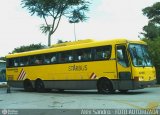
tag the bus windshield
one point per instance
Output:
(139, 55)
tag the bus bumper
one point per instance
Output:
(143, 84)
(131, 84)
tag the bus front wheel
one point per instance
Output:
(39, 85)
(104, 86)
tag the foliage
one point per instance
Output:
(154, 51)
(53, 10)
(78, 14)
(152, 30)
(153, 13)
(28, 48)
(152, 34)
(61, 41)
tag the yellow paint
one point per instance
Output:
(151, 107)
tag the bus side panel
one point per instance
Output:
(72, 71)
(71, 75)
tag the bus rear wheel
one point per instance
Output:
(104, 86)
(39, 85)
(28, 85)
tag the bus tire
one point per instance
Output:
(39, 86)
(104, 86)
(27, 84)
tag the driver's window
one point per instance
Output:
(122, 57)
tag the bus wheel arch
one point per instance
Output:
(27, 84)
(39, 85)
(105, 85)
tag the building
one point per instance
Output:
(2, 71)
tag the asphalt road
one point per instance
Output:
(148, 98)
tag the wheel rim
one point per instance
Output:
(104, 86)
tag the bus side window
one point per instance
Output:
(38, 59)
(100, 53)
(47, 59)
(16, 62)
(24, 61)
(66, 56)
(53, 59)
(78, 55)
(69, 56)
(62, 57)
(122, 57)
(103, 52)
(87, 55)
(10, 63)
(82, 55)
(32, 60)
(79, 58)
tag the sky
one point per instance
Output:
(108, 19)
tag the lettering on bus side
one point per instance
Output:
(141, 72)
(77, 68)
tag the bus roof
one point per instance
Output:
(73, 45)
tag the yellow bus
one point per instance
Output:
(107, 66)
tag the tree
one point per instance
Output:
(153, 13)
(53, 10)
(154, 51)
(28, 48)
(152, 30)
(152, 34)
(78, 16)
(61, 41)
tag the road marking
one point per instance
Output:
(151, 106)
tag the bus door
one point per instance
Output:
(123, 67)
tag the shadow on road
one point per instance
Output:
(86, 92)
(95, 92)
